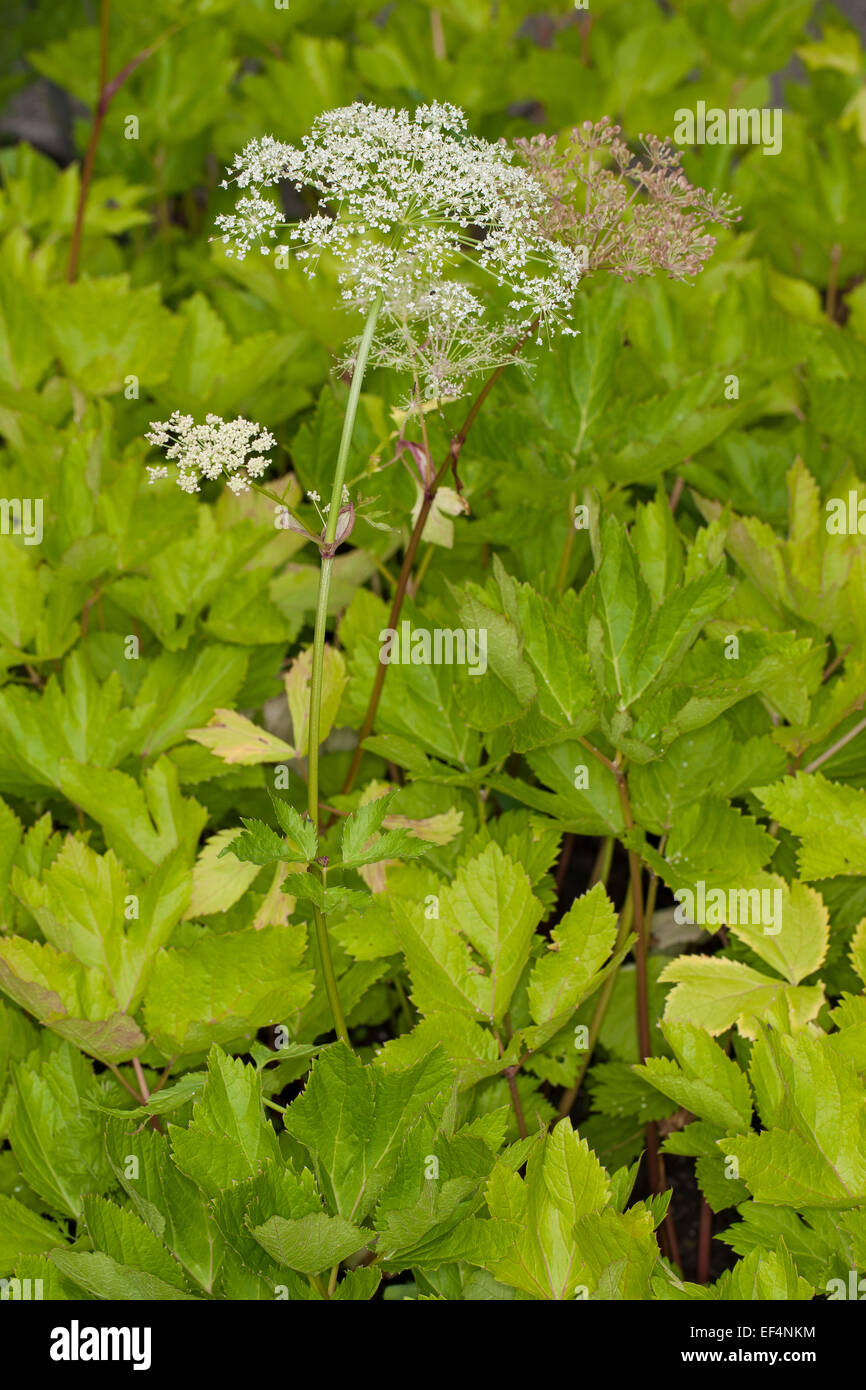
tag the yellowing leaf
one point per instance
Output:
(435, 830)
(799, 945)
(439, 528)
(716, 993)
(236, 739)
(297, 683)
(218, 883)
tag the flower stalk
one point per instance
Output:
(318, 665)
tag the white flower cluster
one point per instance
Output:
(404, 202)
(234, 448)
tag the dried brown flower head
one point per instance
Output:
(632, 214)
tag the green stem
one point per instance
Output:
(565, 561)
(601, 869)
(318, 667)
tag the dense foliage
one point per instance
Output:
(656, 526)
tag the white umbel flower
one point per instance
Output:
(233, 449)
(406, 203)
